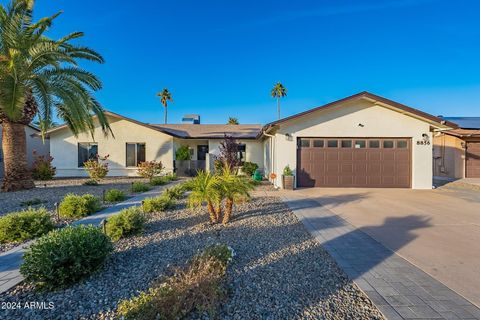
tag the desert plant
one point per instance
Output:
(24, 225)
(97, 169)
(149, 169)
(287, 171)
(204, 190)
(157, 204)
(90, 182)
(233, 188)
(128, 222)
(183, 153)
(172, 176)
(42, 167)
(175, 192)
(249, 168)
(65, 256)
(114, 195)
(139, 187)
(199, 287)
(78, 206)
(159, 181)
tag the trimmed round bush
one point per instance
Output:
(65, 256)
(128, 222)
(78, 206)
(114, 195)
(157, 204)
(140, 187)
(25, 225)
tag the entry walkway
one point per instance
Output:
(399, 289)
(11, 260)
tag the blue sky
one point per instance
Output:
(221, 58)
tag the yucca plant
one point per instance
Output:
(38, 76)
(233, 188)
(205, 189)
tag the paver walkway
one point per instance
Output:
(399, 289)
(11, 260)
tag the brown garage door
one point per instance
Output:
(472, 160)
(355, 162)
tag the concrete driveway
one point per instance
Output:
(436, 230)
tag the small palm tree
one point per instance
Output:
(233, 188)
(44, 125)
(40, 76)
(165, 97)
(205, 189)
(278, 91)
(232, 120)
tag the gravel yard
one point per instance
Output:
(279, 271)
(53, 191)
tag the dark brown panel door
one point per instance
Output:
(472, 160)
(354, 162)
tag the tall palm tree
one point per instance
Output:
(232, 120)
(278, 91)
(40, 76)
(204, 190)
(165, 96)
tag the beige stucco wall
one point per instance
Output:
(448, 156)
(343, 121)
(64, 148)
(34, 143)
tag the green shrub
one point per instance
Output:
(97, 169)
(139, 187)
(175, 192)
(287, 171)
(76, 206)
(171, 176)
(159, 181)
(249, 168)
(198, 288)
(114, 195)
(42, 167)
(128, 222)
(149, 169)
(65, 256)
(183, 153)
(25, 225)
(157, 204)
(221, 252)
(90, 182)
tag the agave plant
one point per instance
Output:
(40, 76)
(205, 189)
(233, 188)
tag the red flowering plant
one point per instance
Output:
(42, 167)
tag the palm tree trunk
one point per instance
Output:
(211, 212)
(228, 211)
(17, 176)
(218, 211)
(166, 114)
(278, 107)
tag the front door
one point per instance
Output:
(202, 151)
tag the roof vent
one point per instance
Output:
(191, 118)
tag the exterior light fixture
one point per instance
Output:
(288, 136)
(361, 125)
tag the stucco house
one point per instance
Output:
(363, 140)
(34, 143)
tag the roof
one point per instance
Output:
(370, 96)
(211, 131)
(465, 122)
(464, 133)
(191, 131)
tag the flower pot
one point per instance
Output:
(288, 182)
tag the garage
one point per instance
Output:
(354, 162)
(472, 160)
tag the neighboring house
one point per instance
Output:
(457, 151)
(361, 141)
(34, 143)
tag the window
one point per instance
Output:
(360, 144)
(402, 144)
(242, 149)
(388, 144)
(87, 151)
(374, 144)
(346, 143)
(305, 143)
(135, 154)
(318, 143)
(332, 143)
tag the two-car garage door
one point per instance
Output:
(354, 162)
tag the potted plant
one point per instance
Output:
(288, 179)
